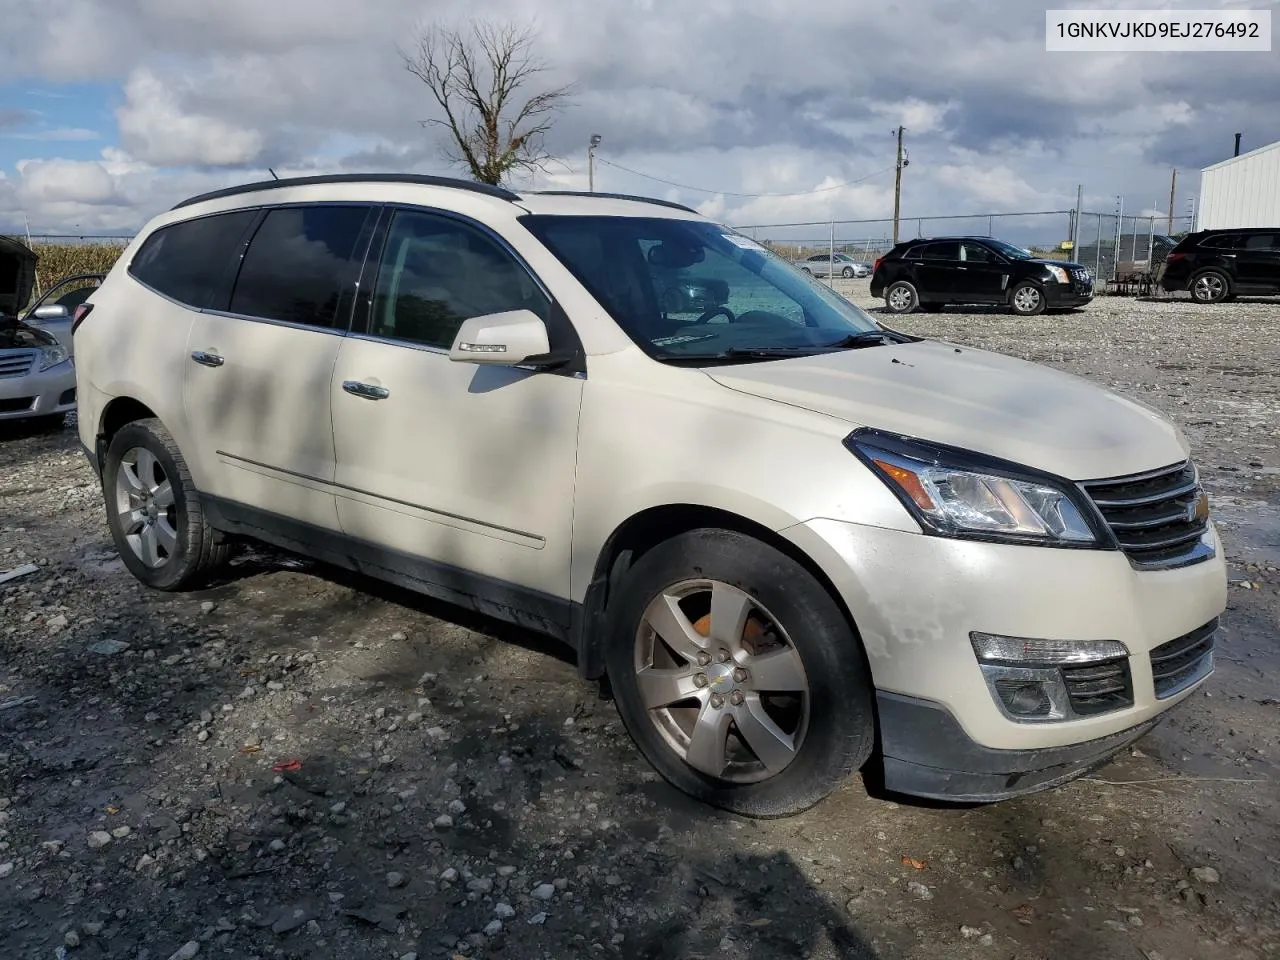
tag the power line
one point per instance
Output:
(753, 196)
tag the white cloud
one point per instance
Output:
(155, 128)
(67, 181)
(55, 134)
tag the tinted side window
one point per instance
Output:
(299, 264)
(1262, 241)
(437, 272)
(186, 260)
(941, 251)
(1223, 241)
(976, 253)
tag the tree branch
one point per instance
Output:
(475, 78)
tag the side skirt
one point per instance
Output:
(531, 609)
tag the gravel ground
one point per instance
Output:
(294, 763)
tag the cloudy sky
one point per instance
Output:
(112, 110)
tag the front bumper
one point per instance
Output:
(916, 598)
(1067, 295)
(927, 754)
(39, 394)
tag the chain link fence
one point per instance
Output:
(1111, 246)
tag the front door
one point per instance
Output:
(256, 389)
(982, 276)
(470, 467)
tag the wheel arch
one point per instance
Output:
(118, 412)
(1220, 269)
(644, 530)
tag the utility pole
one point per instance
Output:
(1075, 222)
(1237, 153)
(1173, 187)
(897, 185)
(591, 162)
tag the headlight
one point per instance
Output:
(959, 494)
(1059, 274)
(51, 356)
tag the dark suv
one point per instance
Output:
(1218, 265)
(930, 273)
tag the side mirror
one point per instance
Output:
(52, 311)
(510, 338)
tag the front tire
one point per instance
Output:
(737, 675)
(901, 297)
(1027, 300)
(154, 511)
(1210, 286)
(847, 273)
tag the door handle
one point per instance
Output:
(366, 390)
(207, 359)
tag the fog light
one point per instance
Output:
(1024, 699)
(1027, 677)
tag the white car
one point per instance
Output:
(782, 530)
(819, 265)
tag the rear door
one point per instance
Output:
(936, 270)
(259, 363)
(1258, 261)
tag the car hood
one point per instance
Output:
(16, 335)
(1065, 264)
(981, 401)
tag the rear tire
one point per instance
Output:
(901, 297)
(785, 633)
(154, 510)
(1210, 286)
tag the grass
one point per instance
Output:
(59, 260)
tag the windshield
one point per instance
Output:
(686, 289)
(1009, 250)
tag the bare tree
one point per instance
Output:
(478, 77)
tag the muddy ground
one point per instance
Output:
(295, 763)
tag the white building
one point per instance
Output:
(1241, 192)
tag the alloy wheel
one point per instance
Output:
(1208, 288)
(1026, 300)
(721, 681)
(899, 298)
(145, 507)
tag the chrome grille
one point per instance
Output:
(1095, 688)
(16, 363)
(1182, 661)
(1158, 518)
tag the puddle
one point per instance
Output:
(1249, 528)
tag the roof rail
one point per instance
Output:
(613, 196)
(412, 178)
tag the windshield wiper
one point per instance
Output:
(867, 338)
(746, 353)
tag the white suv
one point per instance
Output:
(785, 533)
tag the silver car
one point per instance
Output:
(37, 372)
(37, 376)
(819, 265)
